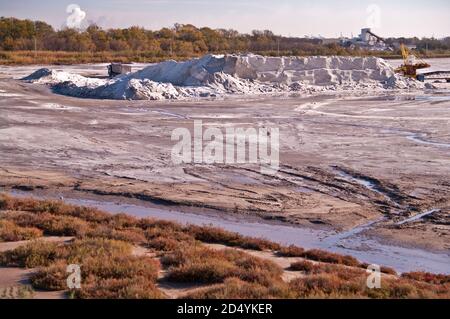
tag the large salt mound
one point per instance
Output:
(214, 75)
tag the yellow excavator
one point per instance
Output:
(410, 63)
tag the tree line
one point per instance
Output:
(182, 40)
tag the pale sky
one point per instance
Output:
(286, 17)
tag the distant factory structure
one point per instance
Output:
(367, 40)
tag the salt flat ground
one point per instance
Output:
(345, 160)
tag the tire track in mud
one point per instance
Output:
(328, 184)
(351, 186)
(389, 191)
(253, 197)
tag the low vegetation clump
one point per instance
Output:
(130, 235)
(40, 253)
(387, 270)
(61, 225)
(163, 244)
(106, 265)
(303, 265)
(437, 279)
(88, 214)
(31, 255)
(52, 277)
(318, 255)
(165, 236)
(123, 288)
(58, 219)
(234, 288)
(291, 251)
(383, 269)
(343, 272)
(328, 257)
(220, 236)
(324, 286)
(336, 281)
(201, 264)
(50, 224)
(12, 232)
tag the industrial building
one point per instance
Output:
(367, 40)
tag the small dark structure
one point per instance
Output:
(435, 75)
(115, 69)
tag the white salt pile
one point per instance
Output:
(216, 75)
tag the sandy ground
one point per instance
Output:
(345, 160)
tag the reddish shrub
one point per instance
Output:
(332, 258)
(437, 279)
(305, 266)
(9, 231)
(123, 288)
(234, 288)
(291, 251)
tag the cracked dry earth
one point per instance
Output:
(344, 160)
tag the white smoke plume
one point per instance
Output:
(76, 16)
